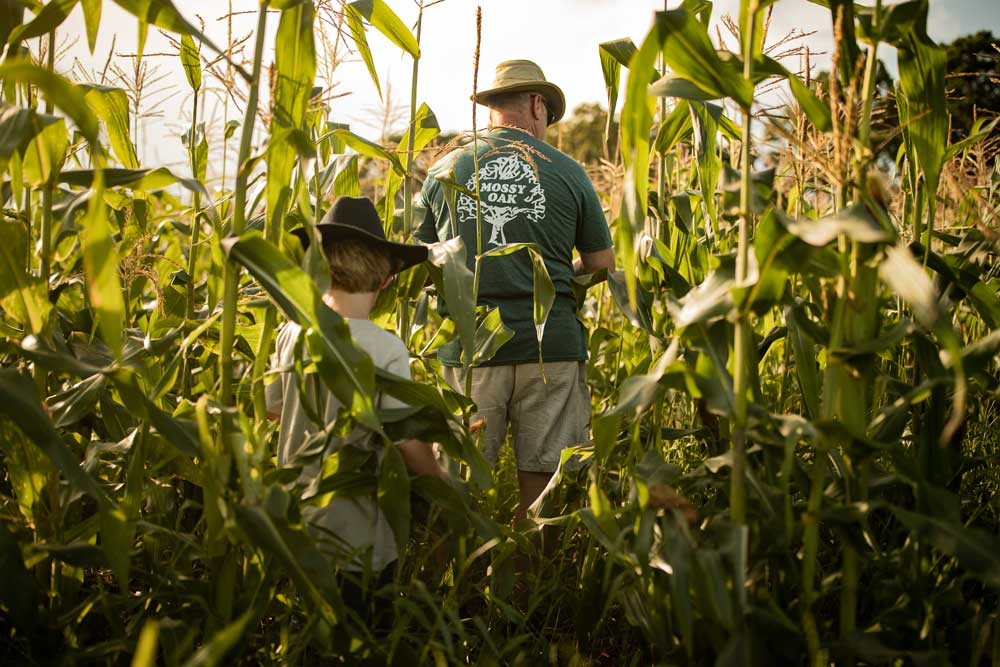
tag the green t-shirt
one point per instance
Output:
(529, 193)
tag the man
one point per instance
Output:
(529, 192)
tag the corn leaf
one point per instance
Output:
(52, 15)
(100, 262)
(23, 297)
(543, 291)
(369, 148)
(361, 41)
(690, 54)
(394, 494)
(92, 20)
(111, 106)
(451, 274)
(490, 337)
(56, 89)
(191, 61)
(379, 14)
(20, 403)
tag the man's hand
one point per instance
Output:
(589, 262)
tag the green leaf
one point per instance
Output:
(543, 291)
(816, 110)
(855, 222)
(145, 648)
(164, 15)
(23, 297)
(611, 68)
(675, 86)
(490, 337)
(980, 132)
(922, 69)
(690, 54)
(975, 550)
(674, 129)
(842, 13)
(454, 280)
(52, 15)
(18, 126)
(295, 65)
(214, 651)
(100, 263)
(20, 403)
(117, 535)
(11, 16)
(705, 133)
(386, 22)
(191, 61)
(707, 301)
(92, 20)
(909, 280)
(18, 590)
(361, 41)
(804, 353)
(44, 154)
(111, 106)
(965, 276)
(427, 128)
(56, 89)
(394, 494)
(146, 180)
(636, 121)
(369, 148)
(345, 368)
(270, 530)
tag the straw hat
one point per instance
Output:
(356, 217)
(524, 76)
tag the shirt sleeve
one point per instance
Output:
(426, 231)
(592, 231)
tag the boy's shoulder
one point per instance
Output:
(382, 345)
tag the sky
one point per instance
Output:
(562, 36)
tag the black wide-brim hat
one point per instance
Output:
(356, 218)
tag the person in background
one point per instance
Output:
(352, 532)
(529, 192)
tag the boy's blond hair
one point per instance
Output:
(357, 266)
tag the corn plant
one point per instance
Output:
(794, 375)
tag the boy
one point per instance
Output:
(351, 531)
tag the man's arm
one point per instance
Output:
(419, 459)
(589, 262)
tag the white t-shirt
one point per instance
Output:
(348, 530)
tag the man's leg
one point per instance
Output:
(531, 485)
(491, 389)
(547, 415)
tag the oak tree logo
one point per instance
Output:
(508, 190)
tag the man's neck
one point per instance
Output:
(518, 122)
(354, 306)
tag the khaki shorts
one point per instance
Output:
(544, 416)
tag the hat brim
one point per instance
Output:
(404, 255)
(553, 95)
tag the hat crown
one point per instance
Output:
(524, 76)
(517, 71)
(357, 212)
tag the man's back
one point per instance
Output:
(529, 193)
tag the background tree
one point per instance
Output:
(973, 80)
(581, 135)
